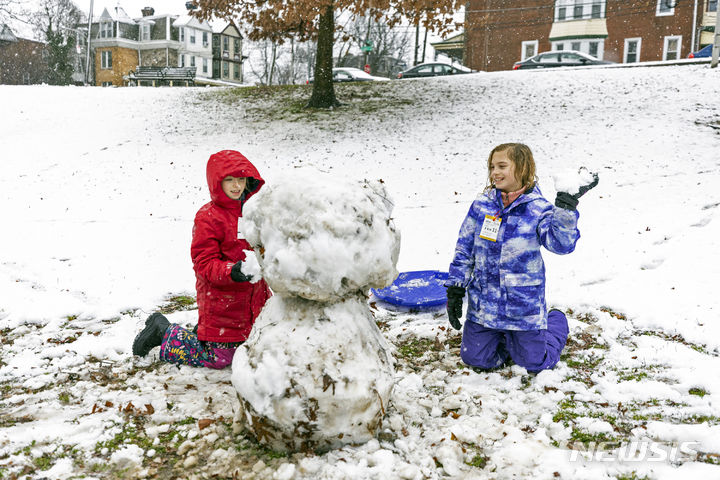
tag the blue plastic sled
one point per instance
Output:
(420, 289)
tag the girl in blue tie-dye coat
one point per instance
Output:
(498, 261)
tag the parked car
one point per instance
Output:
(706, 51)
(431, 70)
(559, 58)
(351, 74)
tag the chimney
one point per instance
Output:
(190, 6)
(148, 11)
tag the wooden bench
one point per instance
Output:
(163, 75)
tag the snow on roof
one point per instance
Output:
(117, 14)
(190, 21)
(6, 34)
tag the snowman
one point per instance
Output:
(316, 373)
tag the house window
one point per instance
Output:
(712, 5)
(596, 10)
(226, 44)
(107, 84)
(665, 7)
(578, 9)
(226, 69)
(632, 50)
(205, 65)
(182, 34)
(236, 45)
(192, 60)
(529, 49)
(192, 36)
(671, 48)
(205, 39)
(145, 32)
(236, 71)
(105, 29)
(182, 60)
(593, 48)
(106, 59)
(562, 13)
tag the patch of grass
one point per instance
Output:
(700, 392)
(632, 476)
(178, 303)
(601, 438)
(588, 363)
(64, 398)
(289, 102)
(710, 419)
(44, 462)
(414, 348)
(186, 421)
(633, 374)
(613, 313)
(478, 461)
(711, 458)
(673, 338)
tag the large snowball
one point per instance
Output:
(321, 238)
(314, 376)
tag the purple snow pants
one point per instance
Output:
(182, 347)
(534, 350)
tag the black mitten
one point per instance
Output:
(237, 275)
(455, 297)
(570, 202)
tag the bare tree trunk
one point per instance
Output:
(292, 60)
(323, 94)
(272, 62)
(417, 41)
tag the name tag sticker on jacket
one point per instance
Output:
(490, 228)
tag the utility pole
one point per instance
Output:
(367, 39)
(424, 47)
(87, 45)
(716, 40)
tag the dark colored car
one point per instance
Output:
(431, 70)
(560, 58)
(706, 51)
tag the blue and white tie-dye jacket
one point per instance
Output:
(505, 280)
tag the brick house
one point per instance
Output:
(22, 61)
(499, 33)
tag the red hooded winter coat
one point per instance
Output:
(227, 309)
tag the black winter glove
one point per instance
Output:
(570, 202)
(455, 297)
(237, 275)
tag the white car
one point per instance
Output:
(351, 74)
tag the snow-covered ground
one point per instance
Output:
(99, 188)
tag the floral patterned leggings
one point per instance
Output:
(182, 347)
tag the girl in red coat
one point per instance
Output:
(228, 302)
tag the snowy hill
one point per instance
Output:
(99, 188)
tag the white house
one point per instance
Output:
(195, 38)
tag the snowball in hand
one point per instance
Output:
(322, 238)
(570, 181)
(251, 267)
(313, 375)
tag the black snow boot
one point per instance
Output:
(152, 334)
